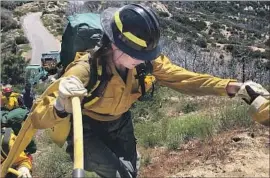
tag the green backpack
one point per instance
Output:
(83, 32)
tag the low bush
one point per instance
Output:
(201, 42)
(21, 40)
(7, 22)
(13, 68)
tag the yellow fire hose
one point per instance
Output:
(78, 168)
(13, 171)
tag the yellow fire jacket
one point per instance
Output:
(259, 110)
(21, 160)
(11, 102)
(119, 95)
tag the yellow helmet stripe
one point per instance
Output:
(128, 35)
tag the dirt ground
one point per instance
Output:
(237, 153)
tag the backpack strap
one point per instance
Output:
(5, 141)
(99, 79)
(143, 70)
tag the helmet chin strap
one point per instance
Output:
(115, 60)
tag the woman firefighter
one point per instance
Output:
(131, 37)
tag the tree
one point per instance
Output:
(13, 67)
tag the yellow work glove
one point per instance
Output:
(257, 88)
(69, 87)
(24, 172)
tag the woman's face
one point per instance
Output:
(123, 59)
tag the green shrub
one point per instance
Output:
(189, 107)
(13, 67)
(7, 22)
(223, 41)
(189, 127)
(21, 40)
(18, 88)
(199, 25)
(229, 48)
(41, 87)
(233, 117)
(11, 5)
(163, 14)
(146, 160)
(172, 131)
(215, 25)
(52, 161)
(202, 43)
(148, 133)
(58, 20)
(267, 42)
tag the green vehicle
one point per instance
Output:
(35, 73)
(50, 60)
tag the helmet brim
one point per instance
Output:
(106, 19)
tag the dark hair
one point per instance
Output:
(104, 52)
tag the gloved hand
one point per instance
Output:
(252, 94)
(69, 87)
(249, 97)
(24, 172)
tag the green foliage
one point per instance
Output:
(267, 42)
(189, 107)
(201, 42)
(52, 160)
(146, 160)
(149, 133)
(233, 117)
(41, 87)
(223, 41)
(163, 14)
(11, 5)
(229, 48)
(197, 24)
(172, 131)
(18, 88)
(13, 67)
(7, 22)
(189, 127)
(21, 40)
(215, 25)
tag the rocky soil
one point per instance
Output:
(237, 153)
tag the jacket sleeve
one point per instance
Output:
(187, 82)
(43, 114)
(259, 110)
(22, 159)
(12, 103)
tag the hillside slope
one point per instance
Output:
(237, 153)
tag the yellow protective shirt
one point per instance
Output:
(11, 102)
(22, 159)
(259, 110)
(119, 95)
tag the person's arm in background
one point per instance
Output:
(12, 102)
(192, 83)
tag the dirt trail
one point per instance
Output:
(40, 38)
(239, 153)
